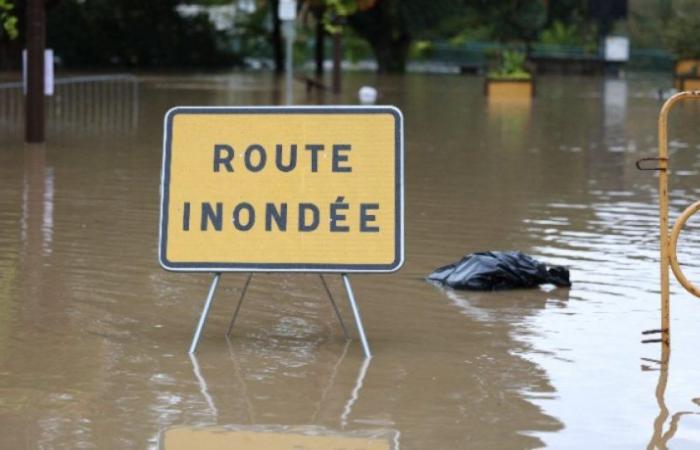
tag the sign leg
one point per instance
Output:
(205, 313)
(240, 302)
(358, 318)
(335, 307)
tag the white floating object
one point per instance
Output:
(367, 95)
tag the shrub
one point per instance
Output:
(511, 67)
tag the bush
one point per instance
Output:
(683, 32)
(511, 67)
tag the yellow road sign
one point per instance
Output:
(282, 189)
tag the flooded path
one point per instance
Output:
(93, 334)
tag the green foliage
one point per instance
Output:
(477, 33)
(647, 23)
(511, 67)
(574, 34)
(335, 13)
(515, 20)
(355, 48)
(389, 26)
(421, 49)
(8, 19)
(561, 34)
(134, 33)
(251, 33)
(683, 30)
(458, 23)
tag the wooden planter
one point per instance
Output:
(687, 74)
(497, 89)
(687, 67)
(687, 83)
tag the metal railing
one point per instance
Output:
(476, 54)
(95, 103)
(669, 241)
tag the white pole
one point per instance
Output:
(288, 30)
(287, 12)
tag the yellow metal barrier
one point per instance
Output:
(669, 242)
(673, 255)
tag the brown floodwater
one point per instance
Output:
(93, 333)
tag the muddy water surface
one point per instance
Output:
(93, 334)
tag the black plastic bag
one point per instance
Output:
(492, 271)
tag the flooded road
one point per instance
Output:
(93, 333)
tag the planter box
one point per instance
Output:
(687, 83)
(687, 67)
(509, 89)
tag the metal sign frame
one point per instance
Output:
(343, 269)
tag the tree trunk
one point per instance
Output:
(384, 27)
(391, 54)
(337, 62)
(277, 46)
(34, 100)
(319, 53)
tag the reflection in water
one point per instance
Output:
(660, 439)
(331, 381)
(327, 386)
(203, 385)
(355, 392)
(277, 436)
(37, 201)
(505, 305)
(37, 217)
(510, 119)
(273, 438)
(614, 104)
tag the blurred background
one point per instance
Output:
(387, 35)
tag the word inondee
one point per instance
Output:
(303, 217)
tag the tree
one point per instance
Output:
(390, 25)
(680, 34)
(268, 9)
(317, 10)
(134, 33)
(515, 20)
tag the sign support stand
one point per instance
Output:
(356, 314)
(205, 313)
(240, 302)
(348, 288)
(335, 307)
(341, 210)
